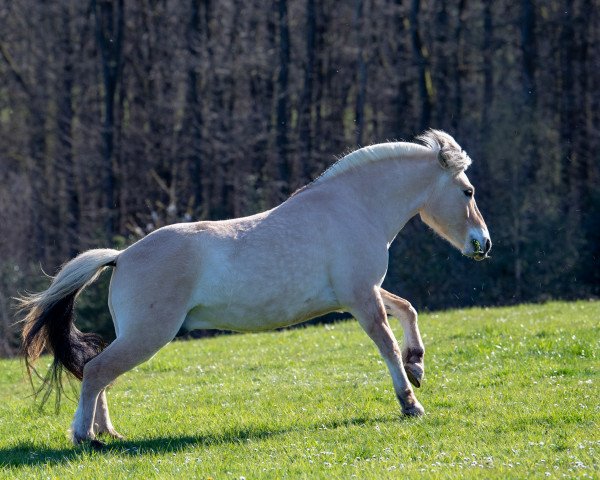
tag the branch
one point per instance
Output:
(13, 69)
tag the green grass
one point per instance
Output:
(509, 393)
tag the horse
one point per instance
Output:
(324, 249)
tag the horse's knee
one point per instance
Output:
(401, 307)
(409, 311)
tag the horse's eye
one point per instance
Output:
(468, 192)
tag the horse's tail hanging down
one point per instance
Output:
(50, 316)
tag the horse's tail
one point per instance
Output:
(49, 321)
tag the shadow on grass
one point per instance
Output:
(28, 453)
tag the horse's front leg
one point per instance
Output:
(413, 351)
(371, 315)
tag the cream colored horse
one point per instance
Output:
(324, 249)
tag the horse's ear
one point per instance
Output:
(443, 158)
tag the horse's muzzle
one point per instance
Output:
(479, 253)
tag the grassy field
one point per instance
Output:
(509, 393)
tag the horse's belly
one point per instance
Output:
(259, 313)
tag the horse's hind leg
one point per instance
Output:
(102, 422)
(371, 315)
(413, 351)
(123, 354)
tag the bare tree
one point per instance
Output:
(118, 118)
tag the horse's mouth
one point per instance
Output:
(477, 256)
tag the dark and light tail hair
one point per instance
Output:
(49, 322)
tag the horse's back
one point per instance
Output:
(263, 271)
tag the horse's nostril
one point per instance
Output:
(488, 245)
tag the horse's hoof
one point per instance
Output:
(415, 410)
(78, 439)
(93, 443)
(87, 440)
(415, 373)
(97, 444)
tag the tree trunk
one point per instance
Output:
(37, 152)
(442, 90)
(320, 78)
(401, 99)
(110, 22)
(420, 60)
(529, 53)
(306, 105)
(194, 118)
(282, 99)
(361, 73)
(458, 68)
(568, 117)
(488, 69)
(65, 136)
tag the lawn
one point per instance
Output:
(509, 393)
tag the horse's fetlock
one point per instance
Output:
(409, 403)
(79, 438)
(406, 398)
(414, 355)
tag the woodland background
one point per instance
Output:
(119, 117)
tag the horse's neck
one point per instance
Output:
(392, 191)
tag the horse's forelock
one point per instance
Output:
(450, 154)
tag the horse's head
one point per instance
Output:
(451, 210)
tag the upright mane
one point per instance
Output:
(370, 154)
(450, 155)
